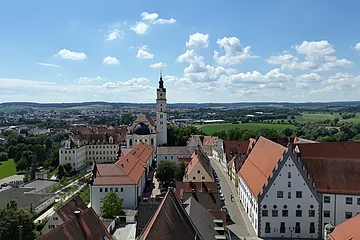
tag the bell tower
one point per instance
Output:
(161, 113)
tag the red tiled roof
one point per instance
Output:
(182, 187)
(303, 140)
(209, 141)
(110, 174)
(85, 227)
(234, 147)
(67, 211)
(259, 164)
(184, 160)
(348, 150)
(170, 221)
(142, 151)
(347, 230)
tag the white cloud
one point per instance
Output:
(114, 34)
(86, 80)
(49, 65)
(255, 77)
(190, 57)
(302, 85)
(158, 65)
(234, 52)
(357, 46)
(340, 83)
(111, 60)
(149, 19)
(312, 77)
(59, 74)
(140, 28)
(67, 54)
(316, 58)
(198, 40)
(142, 53)
(134, 84)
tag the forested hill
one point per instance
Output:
(22, 105)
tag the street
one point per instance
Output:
(239, 225)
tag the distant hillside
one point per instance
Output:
(97, 105)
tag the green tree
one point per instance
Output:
(127, 119)
(180, 171)
(11, 217)
(3, 156)
(22, 164)
(67, 169)
(61, 172)
(112, 205)
(287, 132)
(166, 172)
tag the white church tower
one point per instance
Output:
(161, 113)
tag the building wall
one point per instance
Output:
(274, 201)
(53, 221)
(45, 204)
(127, 192)
(102, 153)
(171, 157)
(249, 202)
(133, 139)
(207, 150)
(197, 174)
(338, 207)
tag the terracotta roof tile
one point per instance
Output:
(170, 221)
(259, 164)
(234, 147)
(87, 227)
(349, 150)
(110, 174)
(209, 141)
(182, 187)
(199, 157)
(347, 230)
(67, 211)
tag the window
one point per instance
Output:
(280, 194)
(289, 174)
(203, 178)
(326, 199)
(311, 213)
(55, 218)
(289, 194)
(121, 189)
(289, 184)
(100, 189)
(348, 215)
(65, 158)
(297, 228)
(274, 213)
(116, 189)
(285, 213)
(282, 227)
(298, 213)
(358, 201)
(264, 213)
(298, 194)
(69, 157)
(171, 157)
(106, 189)
(194, 178)
(312, 227)
(326, 213)
(165, 157)
(198, 171)
(348, 200)
(111, 189)
(267, 227)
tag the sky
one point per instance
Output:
(208, 51)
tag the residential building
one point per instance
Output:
(84, 225)
(172, 154)
(39, 185)
(233, 148)
(346, 230)
(277, 193)
(199, 168)
(147, 208)
(27, 198)
(63, 214)
(127, 177)
(234, 167)
(205, 142)
(218, 149)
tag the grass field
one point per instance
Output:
(7, 168)
(321, 117)
(211, 128)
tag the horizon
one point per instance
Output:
(244, 51)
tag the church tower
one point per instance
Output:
(161, 113)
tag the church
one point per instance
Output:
(145, 129)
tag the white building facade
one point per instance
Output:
(172, 154)
(161, 113)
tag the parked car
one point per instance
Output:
(226, 212)
(4, 184)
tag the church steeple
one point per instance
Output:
(161, 82)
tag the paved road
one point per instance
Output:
(239, 225)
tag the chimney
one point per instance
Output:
(196, 152)
(77, 214)
(122, 165)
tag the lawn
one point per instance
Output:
(211, 128)
(7, 168)
(321, 117)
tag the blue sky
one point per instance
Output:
(209, 51)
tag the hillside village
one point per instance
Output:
(260, 188)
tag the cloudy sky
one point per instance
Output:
(209, 51)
